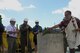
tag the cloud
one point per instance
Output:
(73, 6)
(11, 5)
(31, 6)
(57, 11)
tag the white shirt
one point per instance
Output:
(11, 28)
(72, 40)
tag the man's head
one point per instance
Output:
(67, 13)
(37, 22)
(25, 21)
(12, 21)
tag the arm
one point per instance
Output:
(11, 32)
(55, 26)
(63, 23)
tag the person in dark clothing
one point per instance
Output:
(24, 37)
(36, 29)
(1, 31)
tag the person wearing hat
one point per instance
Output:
(11, 35)
(36, 29)
(24, 37)
(1, 32)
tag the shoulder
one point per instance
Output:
(34, 27)
(29, 26)
(8, 26)
(1, 25)
(21, 25)
(77, 19)
(40, 26)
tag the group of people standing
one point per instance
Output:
(24, 31)
(70, 25)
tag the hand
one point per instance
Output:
(35, 32)
(75, 30)
(49, 28)
(17, 31)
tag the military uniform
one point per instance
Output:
(24, 38)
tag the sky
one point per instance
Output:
(47, 12)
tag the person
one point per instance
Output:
(1, 32)
(36, 29)
(11, 36)
(24, 37)
(71, 26)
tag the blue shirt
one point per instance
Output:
(37, 28)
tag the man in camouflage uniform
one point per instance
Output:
(25, 41)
